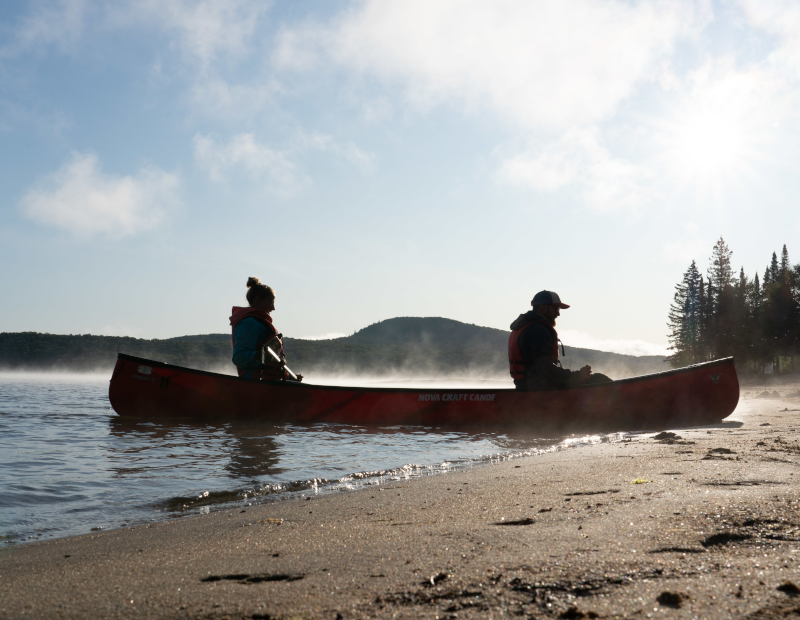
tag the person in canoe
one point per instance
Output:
(533, 349)
(252, 332)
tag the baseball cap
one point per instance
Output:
(548, 297)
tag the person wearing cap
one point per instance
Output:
(533, 349)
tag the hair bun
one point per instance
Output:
(253, 281)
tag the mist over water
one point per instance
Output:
(65, 376)
(403, 380)
(70, 465)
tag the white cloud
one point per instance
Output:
(535, 63)
(276, 169)
(259, 162)
(576, 159)
(555, 69)
(213, 96)
(780, 18)
(361, 160)
(58, 23)
(205, 29)
(81, 199)
(215, 40)
(582, 340)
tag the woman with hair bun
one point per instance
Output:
(252, 332)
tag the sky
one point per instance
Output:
(375, 159)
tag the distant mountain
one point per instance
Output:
(486, 346)
(434, 332)
(405, 346)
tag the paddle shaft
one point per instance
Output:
(278, 359)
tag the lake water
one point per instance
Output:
(69, 465)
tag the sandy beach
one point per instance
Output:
(701, 525)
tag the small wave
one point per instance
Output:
(277, 491)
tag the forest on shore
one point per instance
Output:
(755, 320)
(404, 346)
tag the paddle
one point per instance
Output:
(278, 359)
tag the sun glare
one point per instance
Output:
(708, 144)
(711, 140)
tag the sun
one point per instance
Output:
(710, 140)
(707, 144)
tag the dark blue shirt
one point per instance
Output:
(536, 344)
(247, 334)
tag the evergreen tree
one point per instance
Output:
(720, 273)
(725, 323)
(702, 322)
(756, 321)
(780, 310)
(774, 270)
(742, 320)
(756, 293)
(709, 321)
(756, 327)
(785, 270)
(683, 319)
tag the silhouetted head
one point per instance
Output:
(260, 295)
(548, 304)
(548, 298)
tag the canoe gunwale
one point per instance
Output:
(293, 384)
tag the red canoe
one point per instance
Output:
(696, 395)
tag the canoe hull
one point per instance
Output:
(696, 395)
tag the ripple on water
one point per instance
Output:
(69, 465)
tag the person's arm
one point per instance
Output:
(539, 349)
(247, 335)
(543, 363)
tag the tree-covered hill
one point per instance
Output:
(410, 346)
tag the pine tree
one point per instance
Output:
(702, 322)
(709, 337)
(756, 327)
(774, 270)
(725, 336)
(683, 319)
(785, 270)
(720, 273)
(756, 293)
(757, 321)
(780, 310)
(741, 321)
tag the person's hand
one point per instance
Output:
(586, 372)
(299, 377)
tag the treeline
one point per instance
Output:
(757, 320)
(404, 346)
(33, 351)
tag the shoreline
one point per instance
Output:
(356, 481)
(709, 517)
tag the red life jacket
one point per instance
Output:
(273, 371)
(515, 359)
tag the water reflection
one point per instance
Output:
(250, 448)
(69, 465)
(263, 460)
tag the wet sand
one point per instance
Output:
(705, 525)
